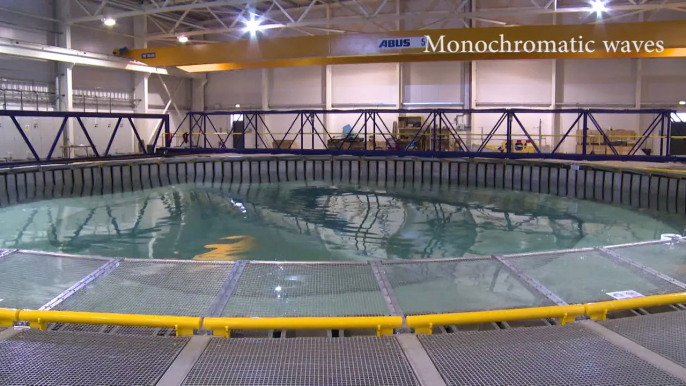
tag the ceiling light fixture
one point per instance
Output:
(108, 21)
(182, 39)
(598, 6)
(252, 25)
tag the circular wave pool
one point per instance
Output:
(299, 221)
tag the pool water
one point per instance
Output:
(305, 221)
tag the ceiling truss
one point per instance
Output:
(207, 20)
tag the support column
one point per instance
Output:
(198, 93)
(64, 93)
(327, 85)
(328, 97)
(140, 87)
(638, 86)
(140, 95)
(471, 92)
(557, 94)
(557, 98)
(267, 74)
(399, 68)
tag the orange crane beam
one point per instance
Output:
(584, 41)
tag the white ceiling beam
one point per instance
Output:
(491, 14)
(217, 18)
(379, 8)
(65, 55)
(307, 10)
(100, 8)
(284, 11)
(83, 7)
(364, 11)
(165, 9)
(183, 16)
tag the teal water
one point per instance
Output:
(300, 221)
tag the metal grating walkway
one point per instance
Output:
(161, 288)
(359, 361)
(664, 333)
(30, 280)
(553, 355)
(306, 290)
(459, 286)
(61, 358)
(601, 276)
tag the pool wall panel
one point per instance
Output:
(663, 192)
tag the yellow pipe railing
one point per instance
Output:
(184, 325)
(598, 311)
(8, 317)
(423, 324)
(383, 325)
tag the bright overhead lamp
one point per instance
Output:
(108, 21)
(252, 25)
(598, 6)
(182, 39)
(682, 103)
(238, 106)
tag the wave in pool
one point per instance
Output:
(318, 221)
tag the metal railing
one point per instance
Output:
(431, 132)
(421, 323)
(63, 120)
(383, 325)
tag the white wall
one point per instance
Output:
(364, 85)
(496, 84)
(296, 87)
(27, 29)
(606, 82)
(433, 82)
(226, 89)
(513, 83)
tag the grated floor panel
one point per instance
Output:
(594, 276)
(29, 281)
(62, 358)
(160, 288)
(553, 355)
(302, 361)
(306, 290)
(663, 333)
(458, 286)
(668, 258)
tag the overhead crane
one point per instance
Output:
(659, 40)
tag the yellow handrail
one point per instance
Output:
(184, 325)
(383, 325)
(598, 311)
(8, 317)
(423, 324)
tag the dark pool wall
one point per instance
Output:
(642, 189)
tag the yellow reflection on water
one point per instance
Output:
(237, 246)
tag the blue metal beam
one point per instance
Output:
(449, 111)
(57, 138)
(431, 154)
(26, 139)
(76, 114)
